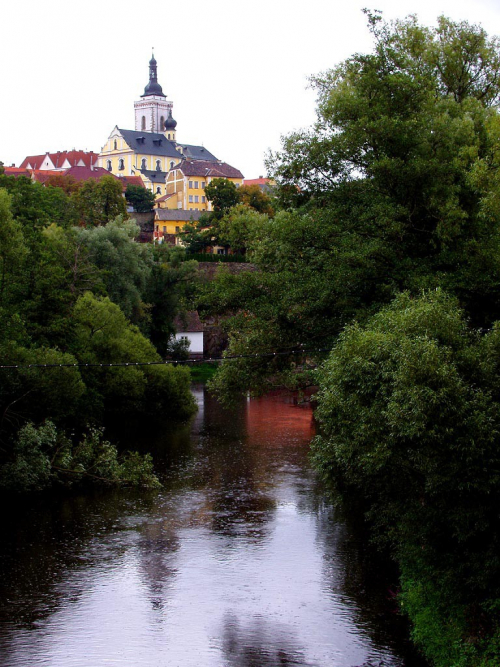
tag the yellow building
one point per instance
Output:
(180, 171)
(187, 180)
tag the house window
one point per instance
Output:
(158, 190)
(203, 199)
(196, 199)
(115, 145)
(143, 123)
(164, 229)
(190, 199)
(169, 135)
(158, 165)
(162, 123)
(203, 184)
(171, 164)
(177, 230)
(190, 184)
(108, 165)
(121, 164)
(143, 163)
(196, 185)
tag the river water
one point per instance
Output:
(237, 562)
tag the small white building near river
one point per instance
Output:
(188, 326)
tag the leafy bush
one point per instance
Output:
(410, 418)
(42, 457)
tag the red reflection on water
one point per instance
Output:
(279, 421)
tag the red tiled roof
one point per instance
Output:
(84, 173)
(43, 175)
(132, 180)
(189, 321)
(89, 158)
(164, 198)
(206, 168)
(258, 181)
(17, 171)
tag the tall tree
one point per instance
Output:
(140, 198)
(223, 194)
(98, 202)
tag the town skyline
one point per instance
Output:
(237, 76)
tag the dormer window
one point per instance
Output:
(121, 164)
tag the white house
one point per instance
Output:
(189, 327)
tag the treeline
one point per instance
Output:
(385, 249)
(72, 295)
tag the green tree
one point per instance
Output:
(35, 206)
(12, 246)
(241, 227)
(253, 196)
(125, 266)
(102, 336)
(140, 198)
(398, 190)
(170, 289)
(223, 194)
(198, 236)
(410, 420)
(99, 202)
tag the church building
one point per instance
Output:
(152, 151)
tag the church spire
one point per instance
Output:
(153, 87)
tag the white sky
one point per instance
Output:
(236, 71)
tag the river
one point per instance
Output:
(237, 562)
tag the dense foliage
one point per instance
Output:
(230, 223)
(386, 251)
(76, 298)
(140, 198)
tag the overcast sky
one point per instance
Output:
(236, 71)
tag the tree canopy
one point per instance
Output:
(386, 252)
(140, 198)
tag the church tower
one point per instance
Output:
(153, 109)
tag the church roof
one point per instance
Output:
(208, 168)
(149, 143)
(154, 176)
(153, 87)
(197, 153)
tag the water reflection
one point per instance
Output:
(236, 562)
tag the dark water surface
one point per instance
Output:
(237, 562)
